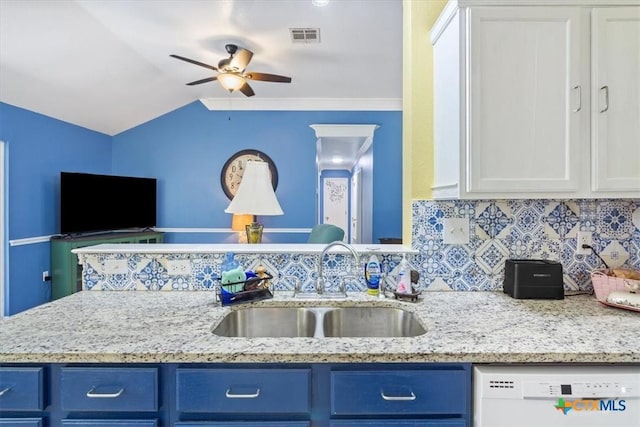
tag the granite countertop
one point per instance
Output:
(478, 327)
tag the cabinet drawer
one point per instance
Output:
(21, 422)
(21, 389)
(243, 424)
(399, 423)
(398, 392)
(243, 390)
(109, 423)
(109, 389)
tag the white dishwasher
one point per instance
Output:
(556, 396)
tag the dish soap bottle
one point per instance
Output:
(373, 275)
(403, 281)
(229, 262)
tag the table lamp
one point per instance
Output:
(239, 223)
(255, 196)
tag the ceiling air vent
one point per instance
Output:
(305, 35)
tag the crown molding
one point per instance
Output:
(303, 104)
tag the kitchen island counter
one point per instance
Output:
(176, 327)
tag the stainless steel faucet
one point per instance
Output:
(356, 261)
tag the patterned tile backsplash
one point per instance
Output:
(541, 229)
(498, 230)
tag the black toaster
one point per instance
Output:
(533, 279)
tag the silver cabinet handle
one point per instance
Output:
(2, 392)
(242, 396)
(396, 398)
(579, 98)
(606, 98)
(92, 394)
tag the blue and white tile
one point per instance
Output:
(615, 254)
(492, 219)
(518, 247)
(91, 278)
(635, 217)
(614, 218)
(527, 216)
(430, 217)
(491, 256)
(562, 219)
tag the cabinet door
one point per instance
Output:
(525, 99)
(615, 123)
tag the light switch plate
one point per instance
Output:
(456, 231)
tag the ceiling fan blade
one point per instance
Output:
(202, 64)
(246, 89)
(241, 59)
(268, 77)
(197, 82)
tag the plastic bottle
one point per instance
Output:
(373, 275)
(403, 281)
(229, 262)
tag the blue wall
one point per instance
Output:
(185, 149)
(38, 148)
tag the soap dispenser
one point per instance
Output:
(403, 280)
(229, 262)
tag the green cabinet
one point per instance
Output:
(66, 273)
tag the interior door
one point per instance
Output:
(356, 207)
(335, 202)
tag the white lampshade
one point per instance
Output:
(255, 195)
(231, 81)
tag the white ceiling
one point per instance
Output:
(105, 65)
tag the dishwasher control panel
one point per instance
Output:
(595, 389)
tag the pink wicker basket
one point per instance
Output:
(603, 284)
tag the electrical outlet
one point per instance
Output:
(115, 266)
(584, 238)
(45, 276)
(178, 267)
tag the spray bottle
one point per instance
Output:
(373, 275)
(403, 281)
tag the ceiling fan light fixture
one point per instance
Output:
(231, 81)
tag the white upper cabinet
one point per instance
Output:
(615, 124)
(512, 101)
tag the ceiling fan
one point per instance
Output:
(232, 73)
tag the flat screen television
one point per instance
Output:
(91, 203)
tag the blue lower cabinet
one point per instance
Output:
(243, 424)
(109, 423)
(109, 389)
(236, 395)
(243, 391)
(400, 392)
(21, 422)
(21, 389)
(403, 423)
